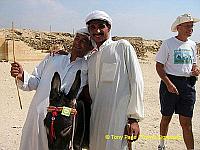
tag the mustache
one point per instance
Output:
(98, 34)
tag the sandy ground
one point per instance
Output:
(12, 117)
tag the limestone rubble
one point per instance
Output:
(45, 40)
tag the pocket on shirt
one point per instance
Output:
(108, 72)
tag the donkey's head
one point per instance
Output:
(58, 120)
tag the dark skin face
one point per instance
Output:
(99, 31)
(81, 46)
(184, 31)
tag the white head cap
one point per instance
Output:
(99, 15)
(83, 31)
(182, 19)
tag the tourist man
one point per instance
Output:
(176, 64)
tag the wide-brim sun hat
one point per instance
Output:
(182, 19)
(98, 15)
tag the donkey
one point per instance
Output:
(65, 121)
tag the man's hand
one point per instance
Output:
(172, 88)
(195, 70)
(60, 52)
(133, 129)
(17, 71)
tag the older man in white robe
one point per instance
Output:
(115, 85)
(34, 135)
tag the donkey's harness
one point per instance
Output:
(66, 111)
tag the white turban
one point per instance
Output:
(83, 31)
(99, 15)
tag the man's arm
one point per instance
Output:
(161, 72)
(26, 81)
(135, 112)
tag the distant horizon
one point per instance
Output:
(150, 20)
(74, 33)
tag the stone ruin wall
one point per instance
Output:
(141, 45)
(44, 40)
(40, 40)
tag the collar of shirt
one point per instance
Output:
(106, 43)
(76, 60)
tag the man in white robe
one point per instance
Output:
(115, 85)
(34, 135)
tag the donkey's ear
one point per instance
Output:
(75, 86)
(55, 84)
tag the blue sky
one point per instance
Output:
(150, 19)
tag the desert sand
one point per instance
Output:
(12, 117)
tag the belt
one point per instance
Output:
(178, 77)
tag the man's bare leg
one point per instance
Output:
(186, 124)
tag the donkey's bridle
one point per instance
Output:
(54, 111)
(53, 108)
